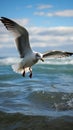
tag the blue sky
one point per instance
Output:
(49, 22)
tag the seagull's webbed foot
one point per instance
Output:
(30, 72)
(23, 74)
(30, 75)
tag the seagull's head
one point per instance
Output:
(39, 56)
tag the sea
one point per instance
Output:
(43, 102)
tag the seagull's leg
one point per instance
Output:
(30, 72)
(23, 74)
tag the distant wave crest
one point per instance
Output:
(60, 61)
(9, 60)
(54, 61)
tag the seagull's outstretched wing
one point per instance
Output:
(21, 36)
(56, 54)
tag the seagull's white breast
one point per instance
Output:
(28, 61)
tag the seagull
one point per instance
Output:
(27, 55)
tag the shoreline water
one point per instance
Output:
(43, 102)
(20, 122)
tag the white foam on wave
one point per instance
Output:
(53, 61)
(59, 61)
(9, 60)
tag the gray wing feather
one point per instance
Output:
(21, 36)
(57, 54)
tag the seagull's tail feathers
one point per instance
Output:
(19, 69)
(16, 68)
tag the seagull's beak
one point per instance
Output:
(42, 59)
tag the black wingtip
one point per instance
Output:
(2, 18)
(69, 53)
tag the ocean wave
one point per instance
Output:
(54, 61)
(21, 122)
(52, 100)
(9, 60)
(59, 61)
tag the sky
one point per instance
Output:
(49, 23)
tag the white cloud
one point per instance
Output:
(62, 13)
(41, 37)
(65, 13)
(29, 6)
(22, 21)
(44, 6)
(4, 38)
(39, 13)
(40, 6)
(51, 37)
(7, 45)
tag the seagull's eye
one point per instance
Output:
(37, 55)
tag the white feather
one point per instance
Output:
(18, 69)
